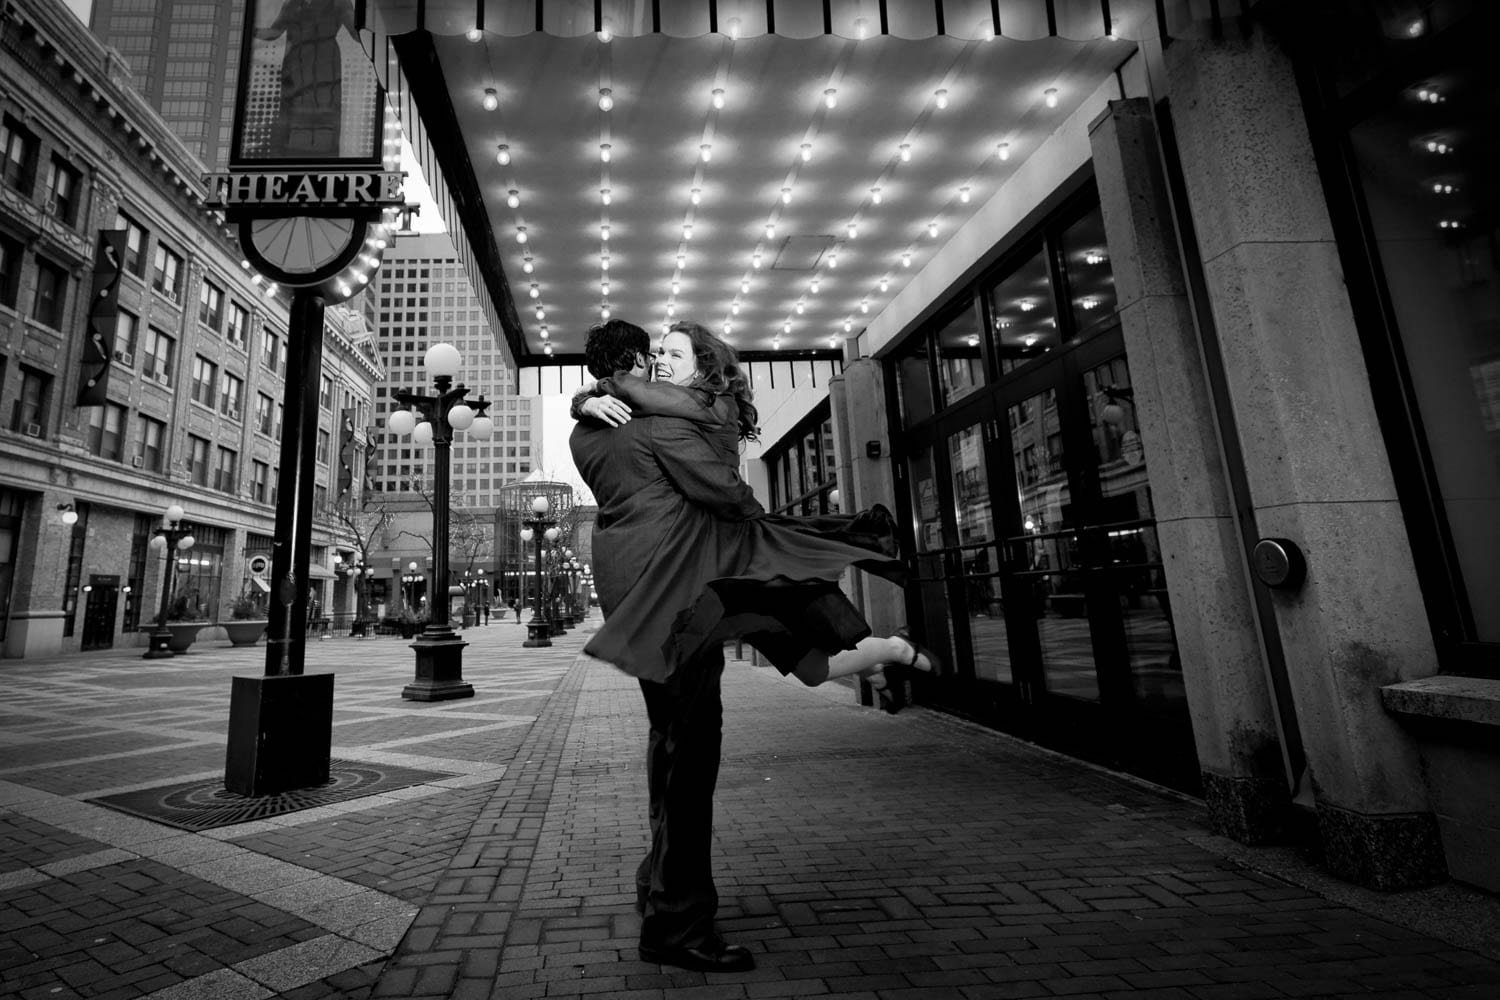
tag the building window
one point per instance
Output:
(323, 440)
(51, 294)
(10, 271)
(166, 274)
(263, 404)
(260, 474)
(135, 244)
(197, 460)
(29, 411)
(127, 331)
(270, 350)
(63, 185)
(148, 450)
(320, 497)
(231, 391)
(239, 324)
(226, 464)
(19, 147)
(279, 411)
(200, 571)
(211, 306)
(205, 374)
(158, 360)
(106, 431)
(325, 392)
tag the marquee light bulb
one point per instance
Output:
(676, 288)
(681, 262)
(547, 349)
(604, 152)
(814, 286)
(513, 198)
(707, 151)
(853, 231)
(604, 263)
(800, 307)
(864, 305)
(786, 327)
(502, 155)
(806, 151)
(687, 230)
(491, 99)
(734, 307)
(755, 259)
(605, 197)
(875, 195)
(885, 284)
(718, 97)
(604, 233)
(775, 343)
(527, 266)
(671, 308)
(744, 287)
(770, 230)
(520, 234)
(830, 98)
(606, 99)
(695, 195)
(942, 98)
(544, 332)
(905, 152)
(604, 312)
(963, 195)
(932, 229)
(786, 196)
(541, 313)
(1003, 150)
(833, 260)
(535, 291)
(1050, 96)
(604, 289)
(474, 35)
(906, 258)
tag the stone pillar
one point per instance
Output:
(1314, 455)
(1235, 729)
(857, 401)
(41, 574)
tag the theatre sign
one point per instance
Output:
(313, 166)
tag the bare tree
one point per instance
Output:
(471, 541)
(363, 520)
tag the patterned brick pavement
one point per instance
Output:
(859, 855)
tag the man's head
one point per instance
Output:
(616, 346)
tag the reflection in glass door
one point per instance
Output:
(1049, 542)
(977, 555)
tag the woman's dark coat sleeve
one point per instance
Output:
(700, 474)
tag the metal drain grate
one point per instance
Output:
(205, 805)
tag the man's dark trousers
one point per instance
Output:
(682, 769)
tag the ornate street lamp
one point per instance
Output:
(538, 527)
(171, 537)
(439, 650)
(359, 572)
(588, 588)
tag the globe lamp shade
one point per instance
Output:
(527, 534)
(482, 428)
(551, 534)
(422, 434)
(402, 422)
(442, 359)
(461, 417)
(540, 505)
(158, 542)
(185, 542)
(174, 512)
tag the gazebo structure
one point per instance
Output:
(515, 566)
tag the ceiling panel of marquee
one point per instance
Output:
(779, 190)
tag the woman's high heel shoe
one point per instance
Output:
(897, 674)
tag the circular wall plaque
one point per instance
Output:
(1278, 562)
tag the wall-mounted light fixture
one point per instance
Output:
(69, 515)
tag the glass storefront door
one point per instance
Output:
(1042, 569)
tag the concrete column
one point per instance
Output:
(1234, 724)
(1316, 462)
(857, 401)
(41, 574)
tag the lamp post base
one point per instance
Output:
(280, 733)
(538, 633)
(158, 649)
(440, 669)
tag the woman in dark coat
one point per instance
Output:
(770, 580)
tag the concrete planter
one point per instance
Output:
(183, 634)
(244, 632)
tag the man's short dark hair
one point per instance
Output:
(614, 346)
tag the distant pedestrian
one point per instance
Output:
(486, 609)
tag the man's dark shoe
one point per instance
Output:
(713, 955)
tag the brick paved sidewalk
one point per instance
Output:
(859, 854)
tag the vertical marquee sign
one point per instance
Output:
(307, 185)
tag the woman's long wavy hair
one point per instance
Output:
(719, 372)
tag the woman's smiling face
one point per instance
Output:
(674, 359)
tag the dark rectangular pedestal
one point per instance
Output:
(280, 733)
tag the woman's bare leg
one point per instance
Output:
(867, 657)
